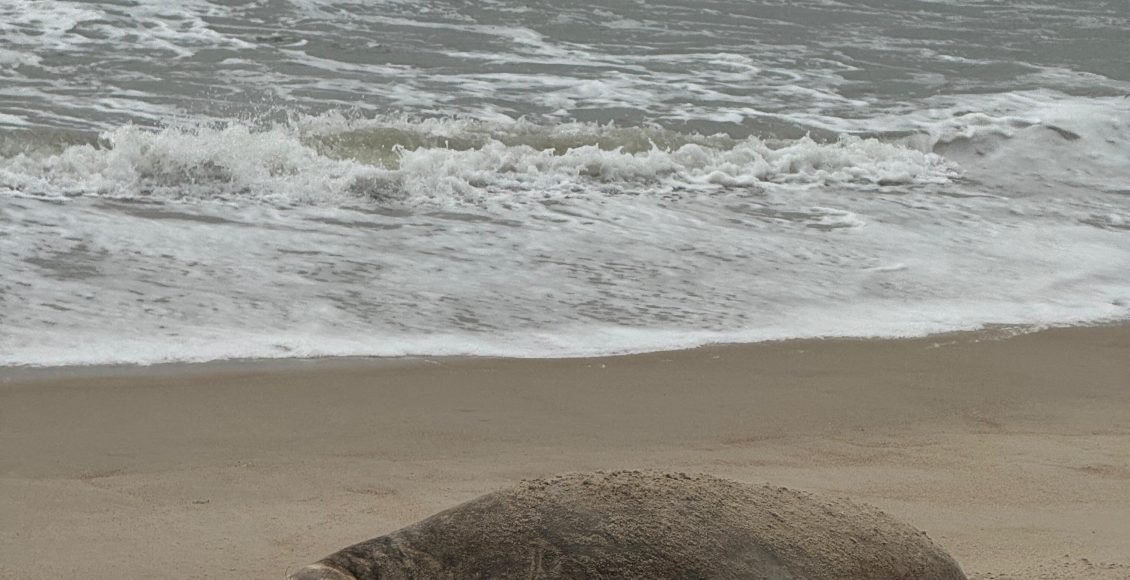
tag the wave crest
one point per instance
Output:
(332, 160)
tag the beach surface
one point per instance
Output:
(1013, 453)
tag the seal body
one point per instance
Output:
(646, 525)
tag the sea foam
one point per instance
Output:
(444, 162)
(332, 236)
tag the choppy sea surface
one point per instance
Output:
(195, 180)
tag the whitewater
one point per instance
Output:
(193, 181)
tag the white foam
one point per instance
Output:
(331, 235)
(502, 162)
(1042, 139)
(507, 271)
(175, 164)
(44, 24)
(14, 58)
(1018, 142)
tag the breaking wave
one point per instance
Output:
(332, 160)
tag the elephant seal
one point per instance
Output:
(632, 524)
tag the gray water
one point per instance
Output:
(199, 180)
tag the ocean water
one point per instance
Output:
(188, 180)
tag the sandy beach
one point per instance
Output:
(1012, 453)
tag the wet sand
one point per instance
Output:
(1013, 454)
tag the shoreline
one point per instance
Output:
(9, 373)
(1010, 452)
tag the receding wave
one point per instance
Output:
(331, 159)
(335, 236)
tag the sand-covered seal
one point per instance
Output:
(632, 524)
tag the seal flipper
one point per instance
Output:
(320, 571)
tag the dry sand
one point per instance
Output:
(1013, 454)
